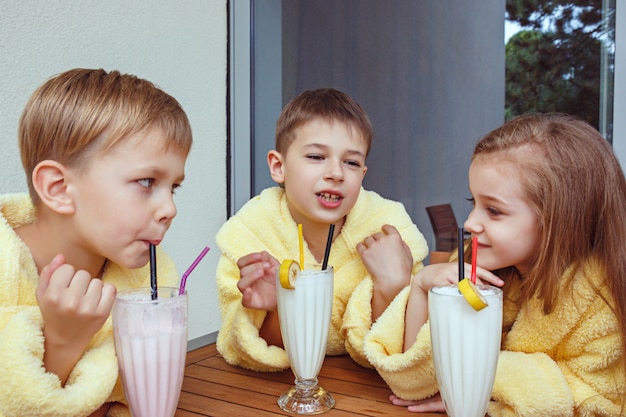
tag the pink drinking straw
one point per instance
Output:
(183, 280)
(474, 255)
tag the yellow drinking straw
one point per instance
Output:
(301, 245)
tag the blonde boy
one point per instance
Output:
(103, 153)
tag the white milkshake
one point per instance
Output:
(466, 345)
(151, 345)
(304, 313)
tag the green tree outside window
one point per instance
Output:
(562, 59)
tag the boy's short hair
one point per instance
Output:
(328, 104)
(81, 112)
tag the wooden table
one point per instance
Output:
(214, 388)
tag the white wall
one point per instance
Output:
(178, 45)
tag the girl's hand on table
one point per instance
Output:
(430, 276)
(433, 404)
(435, 275)
(257, 280)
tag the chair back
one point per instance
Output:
(445, 227)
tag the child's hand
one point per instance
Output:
(435, 275)
(74, 306)
(433, 404)
(387, 258)
(257, 281)
(389, 262)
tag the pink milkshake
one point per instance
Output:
(151, 345)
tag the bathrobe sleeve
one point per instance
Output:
(260, 225)
(26, 389)
(411, 374)
(357, 321)
(238, 339)
(29, 390)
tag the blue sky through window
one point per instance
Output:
(510, 29)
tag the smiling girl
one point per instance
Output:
(550, 217)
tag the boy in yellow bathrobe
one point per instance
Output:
(322, 140)
(103, 153)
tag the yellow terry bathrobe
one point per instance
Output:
(26, 389)
(265, 224)
(567, 363)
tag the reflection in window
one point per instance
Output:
(562, 59)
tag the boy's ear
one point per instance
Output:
(50, 182)
(275, 162)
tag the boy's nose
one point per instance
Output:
(167, 209)
(334, 171)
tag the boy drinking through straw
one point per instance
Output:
(323, 138)
(103, 154)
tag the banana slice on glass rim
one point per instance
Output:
(287, 273)
(472, 295)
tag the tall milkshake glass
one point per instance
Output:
(304, 313)
(151, 346)
(466, 344)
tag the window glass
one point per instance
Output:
(560, 57)
(431, 92)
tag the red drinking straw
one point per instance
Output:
(474, 255)
(183, 280)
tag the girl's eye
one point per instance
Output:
(315, 157)
(354, 163)
(493, 211)
(146, 182)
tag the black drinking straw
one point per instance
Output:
(328, 243)
(153, 273)
(461, 260)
